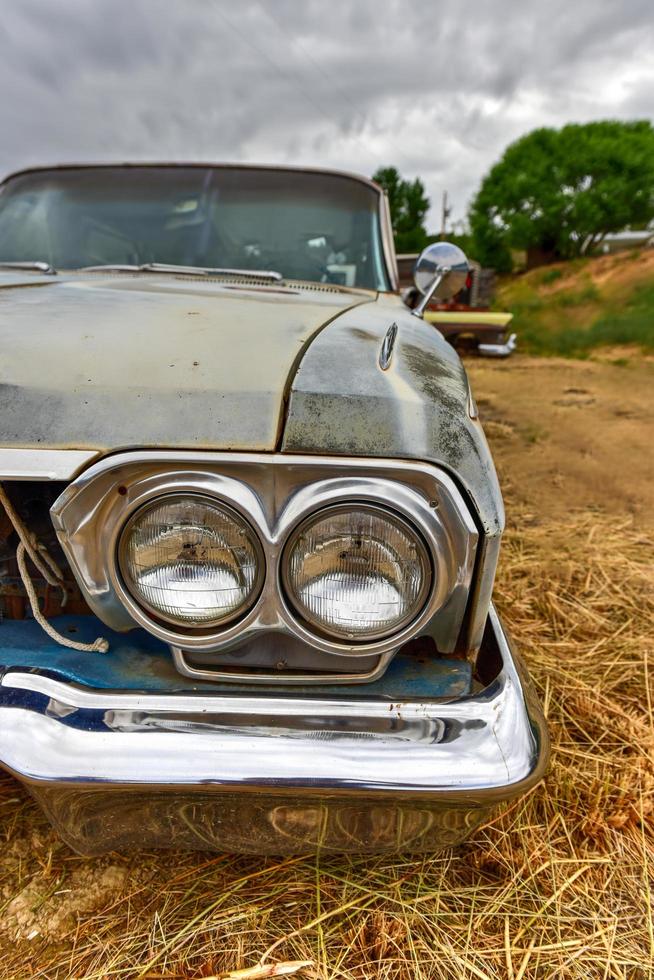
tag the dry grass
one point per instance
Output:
(559, 885)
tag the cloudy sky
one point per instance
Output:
(437, 89)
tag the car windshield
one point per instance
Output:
(311, 226)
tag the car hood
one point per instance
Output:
(114, 361)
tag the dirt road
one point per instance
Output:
(570, 435)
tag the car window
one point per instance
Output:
(319, 227)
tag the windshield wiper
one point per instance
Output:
(44, 267)
(188, 270)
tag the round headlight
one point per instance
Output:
(356, 572)
(190, 560)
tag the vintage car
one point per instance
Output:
(464, 319)
(249, 522)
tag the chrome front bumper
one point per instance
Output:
(272, 773)
(498, 350)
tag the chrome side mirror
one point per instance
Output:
(440, 272)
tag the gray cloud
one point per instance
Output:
(437, 91)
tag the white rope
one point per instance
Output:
(50, 571)
(37, 552)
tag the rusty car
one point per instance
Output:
(249, 522)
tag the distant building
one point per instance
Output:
(619, 241)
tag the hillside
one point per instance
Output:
(572, 307)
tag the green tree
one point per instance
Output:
(557, 193)
(409, 205)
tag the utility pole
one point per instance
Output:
(445, 213)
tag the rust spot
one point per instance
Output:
(122, 490)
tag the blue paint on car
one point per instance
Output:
(138, 661)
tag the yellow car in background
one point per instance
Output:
(478, 330)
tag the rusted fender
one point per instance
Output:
(343, 402)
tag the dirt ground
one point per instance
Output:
(570, 435)
(557, 886)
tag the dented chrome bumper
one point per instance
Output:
(271, 773)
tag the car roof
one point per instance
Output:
(41, 168)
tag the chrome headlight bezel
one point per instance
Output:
(349, 507)
(273, 494)
(208, 625)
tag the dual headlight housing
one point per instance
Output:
(222, 552)
(352, 572)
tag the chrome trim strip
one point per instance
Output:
(481, 749)
(272, 705)
(43, 267)
(43, 464)
(388, 343)
(261, 676)
(388, 240)
(482, 591)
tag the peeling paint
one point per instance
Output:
(139, 662)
